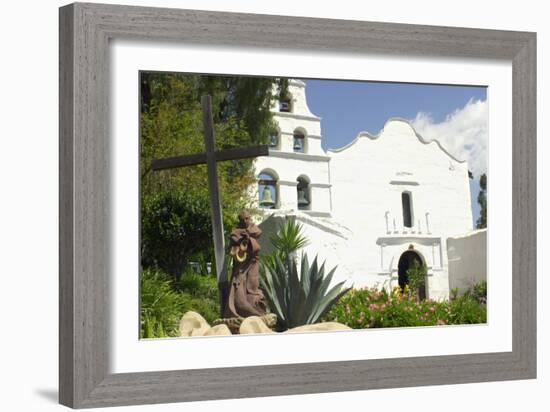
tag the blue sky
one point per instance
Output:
(455, 115)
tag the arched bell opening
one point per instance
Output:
(268, 190)
(273, 140)
(299, 141)
(285, 104)
(303, 192)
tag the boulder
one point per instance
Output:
(254, 324)
(320, 327)
(270, 319)
(218, 330)
(193, 324)
(233, 324)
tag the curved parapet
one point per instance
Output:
(393, 124)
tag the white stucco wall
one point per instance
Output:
(467, 259)
(288, 169)
(288, 165)
(368, 177)
(356, 216)
(327, 240)
(300, 118)
(375, 170)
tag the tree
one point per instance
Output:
(482, 201)
(175, 211)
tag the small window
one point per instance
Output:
(407, 209)
(299, 142)
(285, 105)
(267, 190)
(273, 139)
(303, 193)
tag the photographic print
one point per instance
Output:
(175, 210)
(278, 205)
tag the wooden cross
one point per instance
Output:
(211, 157)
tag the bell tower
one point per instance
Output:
(296, 158)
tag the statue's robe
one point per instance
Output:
(245, 296)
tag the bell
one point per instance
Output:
(267, 200)
(284, 105)
(273, 140)
(298, 144)
(302, 201)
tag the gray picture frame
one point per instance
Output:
(85, 31)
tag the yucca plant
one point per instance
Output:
(298, 300)
(288, 239)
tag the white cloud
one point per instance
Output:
(463, 133)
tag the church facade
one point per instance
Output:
(370, 207)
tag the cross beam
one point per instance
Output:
(200, 158)
(211, 157)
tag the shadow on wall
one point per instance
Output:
(269, 227)
(467, 259)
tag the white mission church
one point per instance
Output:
(374, 205)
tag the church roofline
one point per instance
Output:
(296, 82)
(395, 119)
(297, 116)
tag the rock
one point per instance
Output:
(193, 324)
(254, 324)
(320, 327)
(270, 320)
(233, 324)
(218, 330)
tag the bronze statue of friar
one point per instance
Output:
(245, 296)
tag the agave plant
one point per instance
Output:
(298, 299)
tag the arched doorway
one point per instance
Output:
(406, 261)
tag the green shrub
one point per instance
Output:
(200, 294)
(205, 286)
(372, 308)
(160, 305)
(478, 292)
(467, 310)
(163, 302)
(175, 226)
(209, 309)
(453, 293)
(416, 276)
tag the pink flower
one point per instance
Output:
(441, 322)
